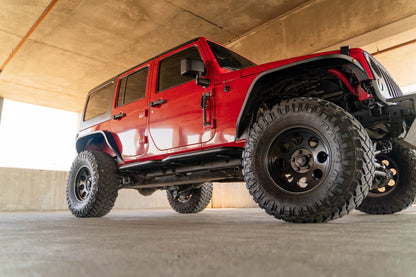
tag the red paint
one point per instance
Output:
(149, 133)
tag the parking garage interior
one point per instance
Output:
(53, 52)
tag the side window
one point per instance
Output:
(132, 87)
(99, 102)
(170, 69)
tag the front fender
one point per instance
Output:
(326, 62)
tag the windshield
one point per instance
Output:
(228, 59)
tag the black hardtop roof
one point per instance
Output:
(114, 78)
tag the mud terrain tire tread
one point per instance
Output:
(198, 202)
(404, 194)
(104, 188)
(350, 177)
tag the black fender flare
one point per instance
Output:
(108, 138)
(322, 62)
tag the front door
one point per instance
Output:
(129, 117)
(176, 116)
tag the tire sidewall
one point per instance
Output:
(277, 127)
(404, 192)
(77, 207)
(350, 155)
(198, 201)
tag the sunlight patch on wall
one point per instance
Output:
(37, 137)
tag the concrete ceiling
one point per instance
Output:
(82, 43)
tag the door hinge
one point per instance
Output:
(144, 113)
(143, 140)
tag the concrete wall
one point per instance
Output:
(43, 190)
(32, 189)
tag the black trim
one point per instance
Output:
(192, 158)
(409, 97)
(108, 137)
(326, 61)
(345, 50)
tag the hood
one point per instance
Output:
(267, 66)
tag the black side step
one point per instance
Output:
(223, 153)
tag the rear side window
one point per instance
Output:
(99, 102)
(132, 87)
(170, 69)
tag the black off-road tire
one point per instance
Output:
(402, 193)
(194, 201)
(332, 143)
(92, 184)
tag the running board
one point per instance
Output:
(187, 159)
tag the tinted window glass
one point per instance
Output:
(170, 69)
(228, 59)
(132, 87)
(99, 102)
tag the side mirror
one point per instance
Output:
(196, 69)
(192, 68)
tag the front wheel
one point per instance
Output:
(308, 160)
(190, 199)
(397, 191)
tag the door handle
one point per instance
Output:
(157, 102)
(119, 115)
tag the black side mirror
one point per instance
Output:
(192, 68)
(196, 69)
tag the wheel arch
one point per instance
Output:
(98, 137)
(263, 81)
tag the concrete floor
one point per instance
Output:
(217, 242)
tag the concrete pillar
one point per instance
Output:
(1, 107)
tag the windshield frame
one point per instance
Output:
(233, 61)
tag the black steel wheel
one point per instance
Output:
(298, 159)
(308, 160)
(82, 184)
(92, 184)
(397, 190)
(190, 199)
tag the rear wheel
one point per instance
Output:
(92, 185)
(308, 160)
(396, 191)
(190, 199)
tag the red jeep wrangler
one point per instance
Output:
(313, 137)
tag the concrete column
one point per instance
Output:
(1, 107)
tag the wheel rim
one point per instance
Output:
(385, 185)
(184, 197)
(82, 186)
(298, 160)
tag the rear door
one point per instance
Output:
(130, 112)
(176, 118)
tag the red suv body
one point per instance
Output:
(187, 117)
